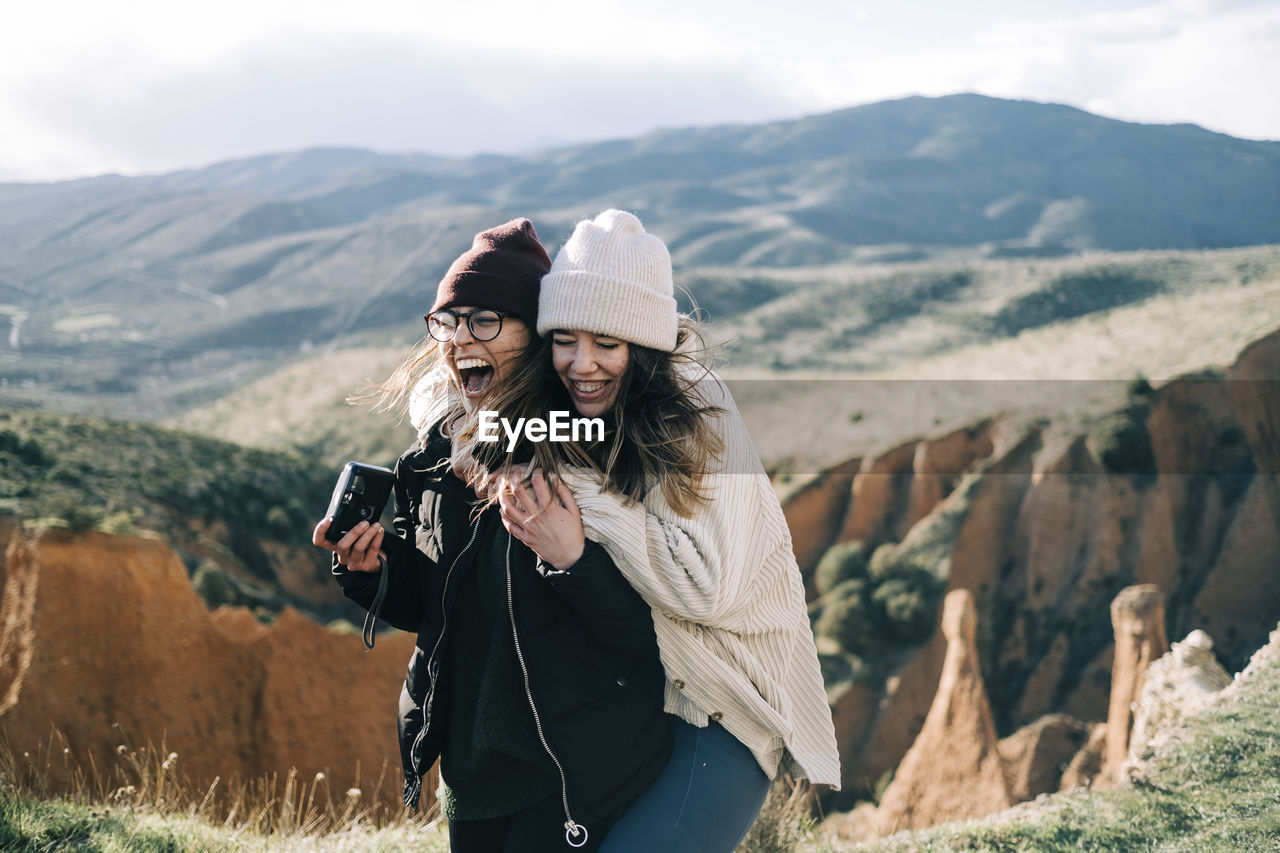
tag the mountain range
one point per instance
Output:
(172, 289)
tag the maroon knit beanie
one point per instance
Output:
(502, 270)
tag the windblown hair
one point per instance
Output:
(423, 374)
(659, 432)
(395, 393)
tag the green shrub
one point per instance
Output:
(846, 618)
(1139, 390)
(841, 562)
(905, 295)
(213, 585)
(1121, 443)
(119, 522)
(69, 508)
(1074, 295)
(905, 607)
(880, 566)
(277, 518)
(26, 451)
(905, 595)
(891, 561)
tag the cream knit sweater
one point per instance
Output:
(728, 603)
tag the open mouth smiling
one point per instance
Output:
(475, 375)
(588, 392)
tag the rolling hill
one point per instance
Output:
(893, 360)
(146, 296)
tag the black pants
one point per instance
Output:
(537, 829)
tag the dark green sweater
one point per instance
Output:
(492, 763)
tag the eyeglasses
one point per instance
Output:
(484, 323)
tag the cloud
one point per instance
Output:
(158, 90)
(378, 92)
(1208, 62)
(1204, 61)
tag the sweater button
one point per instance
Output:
(717, 716)
(678, 684)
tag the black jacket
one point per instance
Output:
(585, 638)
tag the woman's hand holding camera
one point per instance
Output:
(548, 523)
(359, 550)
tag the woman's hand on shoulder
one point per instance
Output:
(485, 483)
(359, 550)
(549, 523)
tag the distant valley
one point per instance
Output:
(994, 346)
(844, 241)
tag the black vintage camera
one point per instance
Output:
(360, 495)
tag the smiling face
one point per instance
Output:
(478, 366)
(591, 367)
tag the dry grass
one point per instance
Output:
(304, 405)
(1070, 371)
(1211, 790)
(145, 787)
(921, 377)
(786, 822)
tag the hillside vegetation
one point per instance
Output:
(872, 319)
(819, 383)
(144, 297)
(1212, 789)
(240, 518)
(875, 275)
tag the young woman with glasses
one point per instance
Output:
(536, 681)
(677, 496)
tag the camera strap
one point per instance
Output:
(371, 618)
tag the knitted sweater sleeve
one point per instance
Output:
(699, 568)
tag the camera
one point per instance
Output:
(360, 495)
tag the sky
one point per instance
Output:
(151, 86)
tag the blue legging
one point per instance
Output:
(703, 802)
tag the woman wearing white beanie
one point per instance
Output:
(677, 496)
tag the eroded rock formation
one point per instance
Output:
(1138, 617)
(1254, 390)
(1086, 764)
(815, 511)
(104, 641)
(7, 525)
(1181, 683)
(1050, 535)
(938, 465)
(1037, 754)
(880, 492)
(954, 769)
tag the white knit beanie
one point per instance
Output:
(612, 278)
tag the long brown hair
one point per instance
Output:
(658, 433)
(395, 393)
(424, 372)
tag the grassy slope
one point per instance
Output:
(935, 367)
(35, 826)
(304, 405)
(1213, 788)
(214, 502)
(803, 425)
(874, 318)
(912, 383)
